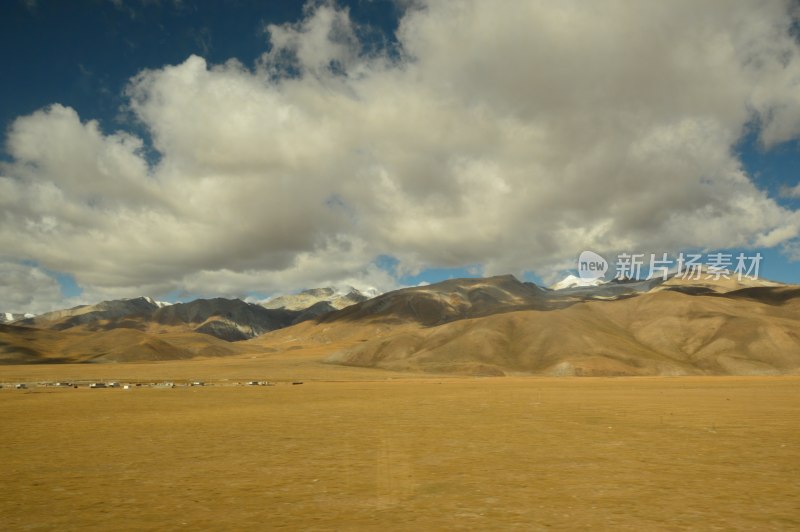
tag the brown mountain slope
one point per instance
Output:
(772, 295)
(228, 319)
(660, 333)
(446, 301)
(501, 326)
(708, 283)
(24, 345)
(408, 309)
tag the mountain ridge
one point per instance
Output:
(228, 319)
(499, 326)
(483, 326)
(337, 298)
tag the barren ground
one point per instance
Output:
(366, 449)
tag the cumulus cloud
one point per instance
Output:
(25, 288)
(507, 138)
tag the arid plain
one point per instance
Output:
(390, 414)
(364, 448)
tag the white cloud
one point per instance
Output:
(506, 138)
(791, 192)
(29, 289)
(792, 251)
(322, 43)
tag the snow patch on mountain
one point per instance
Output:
(10, 317)
(572, 281)
(370, 292)
(159, 304)
(338, 297)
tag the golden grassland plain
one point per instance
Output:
(367, 449)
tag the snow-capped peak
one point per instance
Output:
(159, 304)
(342, 290)
(346, 289)
(572, 281)
(371, 292)
(339, 296)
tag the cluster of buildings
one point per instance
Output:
(127, 386)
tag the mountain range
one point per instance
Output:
(228, 319)
(336, 298)
(501, 326)
(488, 326)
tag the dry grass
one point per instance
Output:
(424, 454)
(285, 366)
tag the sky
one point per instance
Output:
(184, 149)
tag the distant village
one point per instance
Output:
(132, 385)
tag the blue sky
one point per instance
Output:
(82, 54)
(194, 148)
